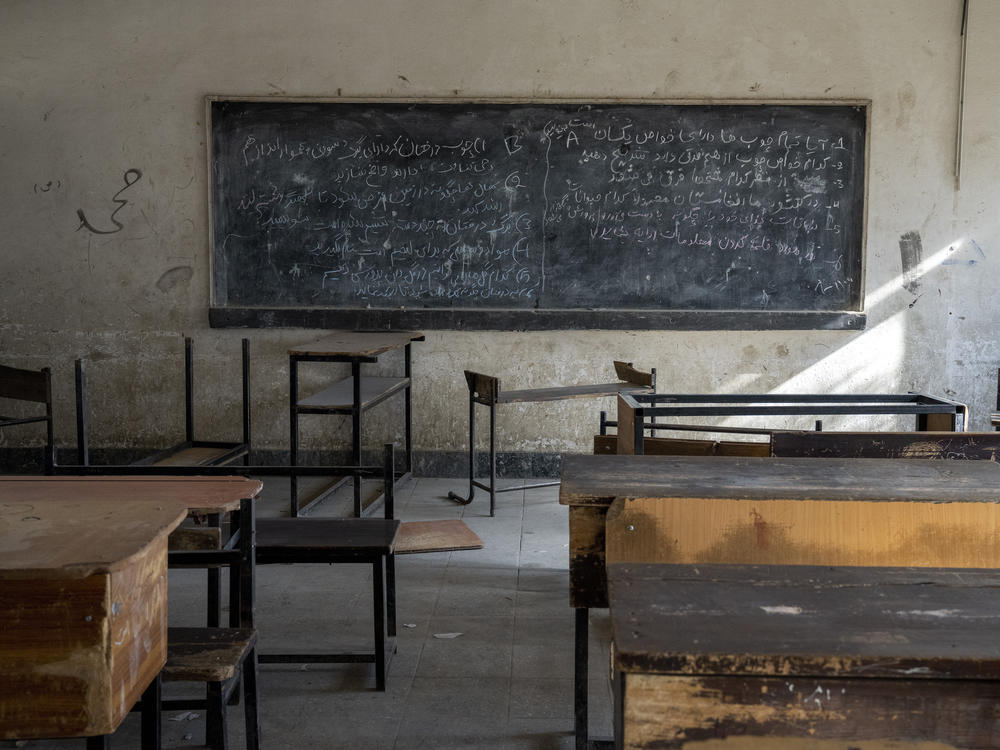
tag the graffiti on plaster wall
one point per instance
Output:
(131, 177)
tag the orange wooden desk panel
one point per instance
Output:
(83, 566)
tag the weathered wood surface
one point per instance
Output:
(206, 654)
(435, 536)
(198, 495)
(73, 539)
(749, 488)
(607, 445)
(597, 480)
(926, 445)
(668, 712)
(356, 344)
(804, 532)
(716, 652)
(84, 596)
(197, 455)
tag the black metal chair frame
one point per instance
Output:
(239, 555)
(380, 555)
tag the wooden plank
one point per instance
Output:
(200, 495)
(598, 480)
(194, 456)
(435, 536)
(852, 531)
(607, 445)
(189, 539)
(356, 343)
(805, 620)
(629, 374)
(734, 713)
(340, 395)
(926, 445)
(588, 585)
(206, 654)
(856, 655)
(626, 430)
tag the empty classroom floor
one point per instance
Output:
(485, 638)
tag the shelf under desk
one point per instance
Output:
(339, 397)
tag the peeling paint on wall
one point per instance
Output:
(911, 251)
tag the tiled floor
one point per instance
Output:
(505, 681)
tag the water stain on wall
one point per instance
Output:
(174, 277)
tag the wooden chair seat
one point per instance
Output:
(206, 654)
(305, 540)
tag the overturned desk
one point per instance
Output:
(351, 396)
(485, 390)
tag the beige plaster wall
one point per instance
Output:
(90, 90)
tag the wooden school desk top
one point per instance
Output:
(598, 480)
(805, 620)
(201, 495)
(783, 656)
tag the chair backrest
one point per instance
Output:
(34, 386)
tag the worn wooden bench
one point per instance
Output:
(486, 390)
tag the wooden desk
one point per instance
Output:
(83, 571)
(723, 509)
(774, 656)
(350, 396)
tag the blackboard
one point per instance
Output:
(537, 215)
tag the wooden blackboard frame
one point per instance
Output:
(223, 315)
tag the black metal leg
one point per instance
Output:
(581, 682)
(150, 716)
(356, 435)
(408, 408)
(493, 457)
(216, 735)
(250, 698)
(100, 742)
(378, 593)
(390, 594)
(472, 457)
(293, 436)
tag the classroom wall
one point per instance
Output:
(104, 237)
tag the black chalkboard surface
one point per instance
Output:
(537, 215)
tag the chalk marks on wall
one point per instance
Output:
(130, 177)
(50, 185)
